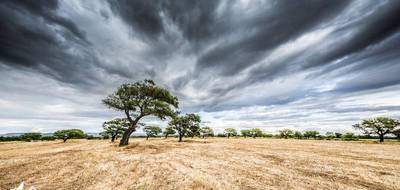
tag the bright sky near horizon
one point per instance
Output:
(271, 64)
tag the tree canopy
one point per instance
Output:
(69, 134)
(115, 128)
(184, 124)
(379, 125)
(152, 131)
(230, 132)
(169, 130)
(141, 99)
(286, 133)
(206, 132)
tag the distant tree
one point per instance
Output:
(69, 134)
(230, 132)
(286, 133)
(380, 126)
(349, 136)
(256, 132)
(266, 135)
(330, 135)
(245, 133)
(183, 124)
(31, 136)
(298, 135)
(141, 99)
(168, 131)
(115, 128)
(206, 132)
(151, 131)
(338, 135)
(310, 134)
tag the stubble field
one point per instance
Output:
(213, 163)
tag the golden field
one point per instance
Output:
(213, 163)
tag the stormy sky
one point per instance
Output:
(272, 64)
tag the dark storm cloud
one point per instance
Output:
(143, 16)
(370, 30)
(275, 26)
(34, 36)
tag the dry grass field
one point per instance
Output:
(201, 164)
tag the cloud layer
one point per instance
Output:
(270, 64)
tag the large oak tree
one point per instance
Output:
(139, 100)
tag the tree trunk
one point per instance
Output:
(125, 137)
(112, 139)
(381, 139)
(228, 136)
(166, 136)
(65, 139)
(180, 138)
(147, 137)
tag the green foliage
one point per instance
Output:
(48, 138)
(230, 132)
(338, 135)
(245, 132)
(266, 135)
(221, 135)
(31, 136)
(311, 134)
(69, 134)
(188, 124)
(152, 130)
(168, 131)
(329, 135)
(206, 132)
(256, 132)
(114, 128)
(298, 135)
(349, 137)
(286, 133)
(141, 99)
(379, 125)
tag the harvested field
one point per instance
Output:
(213, 163)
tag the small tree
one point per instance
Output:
(245, 133)
(151, 131)
(139, 100)
(380, 126)
(184, 124)
(330, 135)
(69, 134)
(168, 131)
(206, 132)
(298, 135)
(349, 136)
(286, 133)
(115, 128)
(310, 134)
(338, 135)
(256, 132)
(230, 132)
